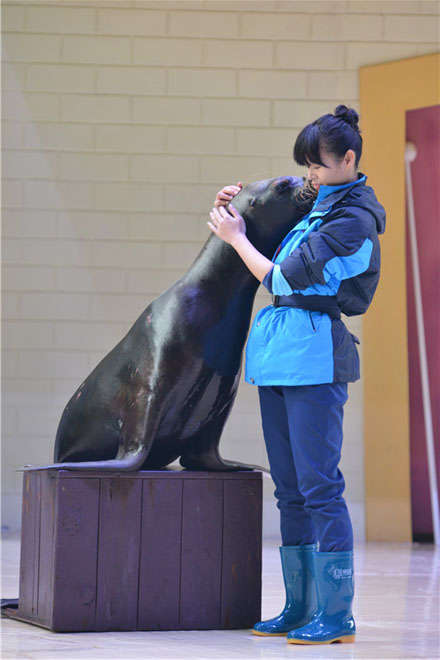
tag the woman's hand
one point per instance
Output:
(225, 195)
(227, 226)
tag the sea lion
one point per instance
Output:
(166, 389)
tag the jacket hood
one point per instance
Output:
(364, 196)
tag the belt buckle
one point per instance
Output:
(275, 300)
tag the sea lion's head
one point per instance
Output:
(272, 207)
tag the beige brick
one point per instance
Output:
(239, 5)
(119, 255)
(52, 364)
(91, 108)
(31, 47)
(238, 54)
(180, 255)
(231, 168)
(273, 84)
(200, 139)
(151, 282)
(92, 167)
(60, 19)
(46, 251)
(131, 139)
(12, 135)
(14, 75)
(28, 278)
(196, 82)
(283, 167)
(11, 305)
(39, 422)
(348, 27)
(360, 54)
(12, 18)
(59, 195)
(9, 363)
(96, 49)
(265, 141)
(166, 110)
(28, 224)
(167, 52)
(12, 193)
(236, 112)
(299, 113)
(128, 197)
(58, 136)
(28, 334)
(93, 225)
(30, 106)
(159, 168)
(28, 164)
(334, 85)
(307, 56)
(118, 308)
(203, 24)
(59, 78)
(96, 336)
(189, 198)
(106, 280)
(429, 7)
(411, 28)
(383, 6)
(313, 6)
(131, 80)
(74, 306)
(162, 227)
(131, 21)
(275, 26)
(9, 423)
(427, 49)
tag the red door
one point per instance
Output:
(423, 129)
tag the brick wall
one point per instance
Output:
(121, 121)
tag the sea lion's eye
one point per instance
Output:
(252, 201)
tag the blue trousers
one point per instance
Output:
(302, 427)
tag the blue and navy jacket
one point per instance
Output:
(333, 253)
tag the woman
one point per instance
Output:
(301, 356)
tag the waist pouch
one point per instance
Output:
(326, 304)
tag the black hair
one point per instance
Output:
(335, 134)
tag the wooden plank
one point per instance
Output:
(241, 569)
(118, 555)
(29, 543)
(201, 554)
(159, 570)
(45, 568)
(76, 549)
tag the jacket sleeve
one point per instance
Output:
(339, 249)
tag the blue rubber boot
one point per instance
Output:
(333, 620)
(296, 562)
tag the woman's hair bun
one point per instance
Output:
(348, 115)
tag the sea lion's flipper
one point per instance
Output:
(128, 463)
(137, 436)
(201, 452)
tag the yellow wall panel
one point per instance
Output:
(387, 91)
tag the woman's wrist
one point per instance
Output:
(257, 263)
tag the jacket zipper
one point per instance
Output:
(311, 320)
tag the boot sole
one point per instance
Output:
(268, 634)
(346, 639)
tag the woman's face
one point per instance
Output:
(335, 172)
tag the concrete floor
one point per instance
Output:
(396, 610)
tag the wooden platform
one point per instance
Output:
(150, 550)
